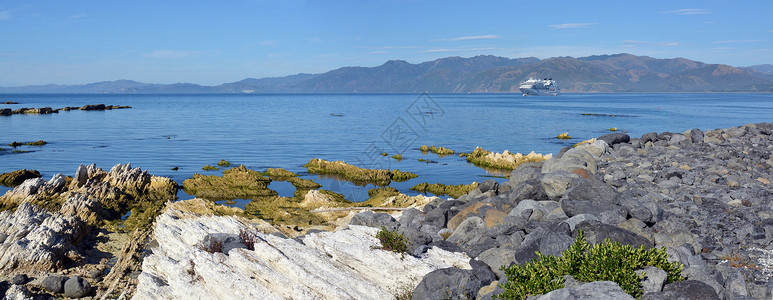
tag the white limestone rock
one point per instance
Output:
(343, 264)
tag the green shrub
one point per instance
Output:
(604, 261)
(392, 240)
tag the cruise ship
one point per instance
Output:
(536, 87)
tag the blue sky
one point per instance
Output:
(213, 42)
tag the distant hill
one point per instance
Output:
(479, 74)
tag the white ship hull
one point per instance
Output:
(539, 87)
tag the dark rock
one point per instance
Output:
(415, 237)
(368, 218)
(525, 172)
(596, 233)
(597, 290)
(496, 258)
(649, 137)
(6, 112)
(76, 287)
(654, 278)
(591, 190)
(607, 213)
(696, 136)
(531, 189)
(482, 272)
(689, 290)
(555, 244)
(488, 185)
(54, 283)
(93, 107)
(448, 283)
(526, 253)
(556, 183)
(19, 279)
(446, 245)
(615, 138)
(411, 218)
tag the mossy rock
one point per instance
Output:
(384, 191)
(15, 178)
(279, 174)
(502, 161)
(454, 191)
(224, 163)
(209, 168)
(398, 157)
(564, 136)
(355, 174)
(236, 183)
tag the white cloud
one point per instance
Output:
(172, 54)
(459, 50)
(571, 25)
(4, 15)
(736, 41)
(688, 11)
(632, 44)
(469, 38)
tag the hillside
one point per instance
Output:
(479, 74)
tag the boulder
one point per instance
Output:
(689, 290)
(606, 212)
(370, 219)
(597, 232)
(556, 183)
(615, 138)
(76, 287)
(597, 290)
(448, 283)
(462, 215)
(496, 258)
(572, 160)
(54, 283)
(19, 279)
(488, 185)
(654, 278)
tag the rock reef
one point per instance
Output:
(49, 110)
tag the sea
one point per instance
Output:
(176, 135)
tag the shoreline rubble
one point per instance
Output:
(705, 196)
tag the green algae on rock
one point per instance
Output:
(502, 161)
(564, 136)
(454, 191)
(12, 179)
(236, 183)
(440, 151)
(224, 163)
(209, 168)
(355, 174)
(398, 157)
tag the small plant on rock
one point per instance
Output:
(392, 241)
(211, 245)
(604, 261)
(248, 239)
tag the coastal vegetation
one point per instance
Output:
(355, 174)
(607, 261)
(454, 191)
(502, 161)
(392, 241)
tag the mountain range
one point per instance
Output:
(479, 74)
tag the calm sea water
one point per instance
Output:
(286, 130)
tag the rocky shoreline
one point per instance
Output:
(49, 110)
(705, 196)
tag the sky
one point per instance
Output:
(214, 42)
